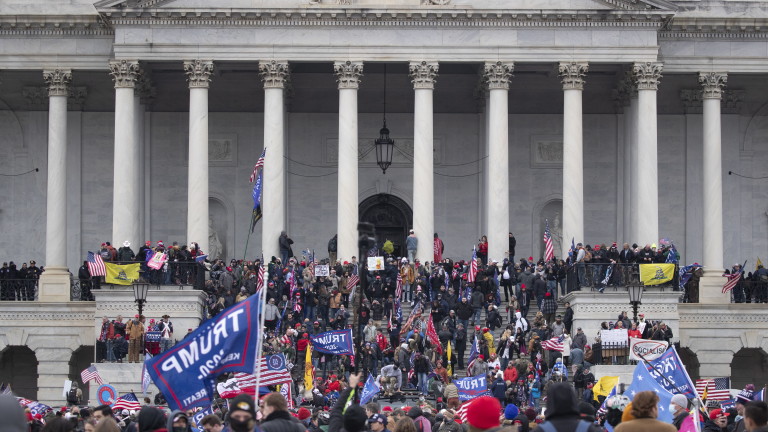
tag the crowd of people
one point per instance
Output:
(19, 283)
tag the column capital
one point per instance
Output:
(572, 74)
(647, 75)
(274, 73)
(198, 73)
(348, 74)
(423, 74)
(58, 81)
(712, 84)
(124, 73)
(496, 75)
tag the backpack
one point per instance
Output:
(549, 427)
(72, 396)
(588, 256)
(105, 255)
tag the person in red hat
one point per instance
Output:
(480, 367)
(483, 413)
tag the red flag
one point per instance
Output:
(432, 335)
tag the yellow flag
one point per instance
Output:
(309, 371)
(655, 274)
(448, 353)
(122, 274)
(604, 386)
(759, 263)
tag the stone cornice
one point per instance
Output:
(37, 25)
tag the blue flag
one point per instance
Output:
(474, 351)
(186, 373)
(472, 387)
(370, 390)
(333, 342)
(643, 381)
(257, 189)
(38, 408)
(671, 367)
(198, 416)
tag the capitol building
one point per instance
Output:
(610, 120)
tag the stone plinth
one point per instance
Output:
(590, 308)
(124, 377)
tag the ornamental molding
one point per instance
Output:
(117, 306)
(198, 73)
(58, 81)
(423, 74)
(614, 308)
(124, 73)
(647, 75)
(44, 316)
(348, 74)
(496, 75)
(274, 73)
(572, 75)
(693, 319)
(712, 84)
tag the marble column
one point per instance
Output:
(711, 284)
(497, 75)
(633, 177)
(275, 75)
(54, 283)
(572, 76)
(198, 76)
(126, 185)
(646, 199)
(423, 76)
(348, 76)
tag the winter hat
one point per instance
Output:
(511, 412)
(354, 419)
(127, 243)
(304, 413)
(243, 402)
(531, 414)
(481, 357)
(680, 400)
(483, 412)
(746, 395)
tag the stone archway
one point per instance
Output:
(691, 362)
(391, 216)
(81, 358)
(18, 367)
(749, 366)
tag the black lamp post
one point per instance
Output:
(140, 290)
(384, 144)
(635, 297)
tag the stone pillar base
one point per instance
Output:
(711, 288)
(54, 285)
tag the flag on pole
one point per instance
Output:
(273, 370)
(715, 388)
(643, 381)
(733, 279)
(549, 252)
(256, 194)
(399, 286)
(473, 353)
(554, 344)
(309, 371)
(472, 275)
(370, 389)
(260, 277)
(128, 401)
(448, 354)
(352, 282)
(145, 378)
(672, 255)
(96, 265)
(759, 263)
(259, 165)
(432, 335)
(91, 373)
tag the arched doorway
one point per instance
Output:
(749, 366)
(392, 218)
(690, 360)
(80, 360)
(18, 367)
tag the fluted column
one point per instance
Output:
(54, 283)
(712, 84)
(647, 197)
(198, 77)
(497, 77)
(274, 74)
(126, 174)
(348, 76)
(572, 76)
(634, 179)
(423, 76)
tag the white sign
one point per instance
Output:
(322, 270)
(375, 263)
(648, 349)
(67, 388)
(617, 336)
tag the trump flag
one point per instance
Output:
(333, 342)
(472, 387)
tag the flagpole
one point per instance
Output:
(248, 237)
(259, 334)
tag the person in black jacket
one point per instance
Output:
(352, 418)
(276, 415)
(512, 244)
(562, 410)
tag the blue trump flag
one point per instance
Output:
(198, 416)
(643, 381)
(675, 377)
(472, 387)
(370, 390)
(257, 189)
(186, 373)
(333, 342)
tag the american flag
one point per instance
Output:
(473, 353)
(733, 279)
(273, 371)
(399, 286)
(259, 165)
(352, 282)
(260, 277)
(716, 388)
(127, 401)
(549, 254)
(96, 265)
(90, 373)
(472, 275)
(554, 344)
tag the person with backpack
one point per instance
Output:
(562, 414)
(125, 253)
(74, 396)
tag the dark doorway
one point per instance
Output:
(392, 218)
(18, 367)
(80, 360)
(749, 366)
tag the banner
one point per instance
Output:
(322, 270)
(604, 386)
(186, 373)
(472, 387)
(670, 367)
(198, 416)
(648, 349)
(642, 381)
(375, 263)
(334, 342)
(152, 337)
(616, 337)
(157, 260)
(285, 390)
(122, 274)
(655, 274)
(370, 390)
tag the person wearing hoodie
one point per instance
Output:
(178, 422)
(150, 420)
(562, 411)
(12, 414)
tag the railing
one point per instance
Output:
(18, 289)
(171, 273)
(615, 353)
(601, 276)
